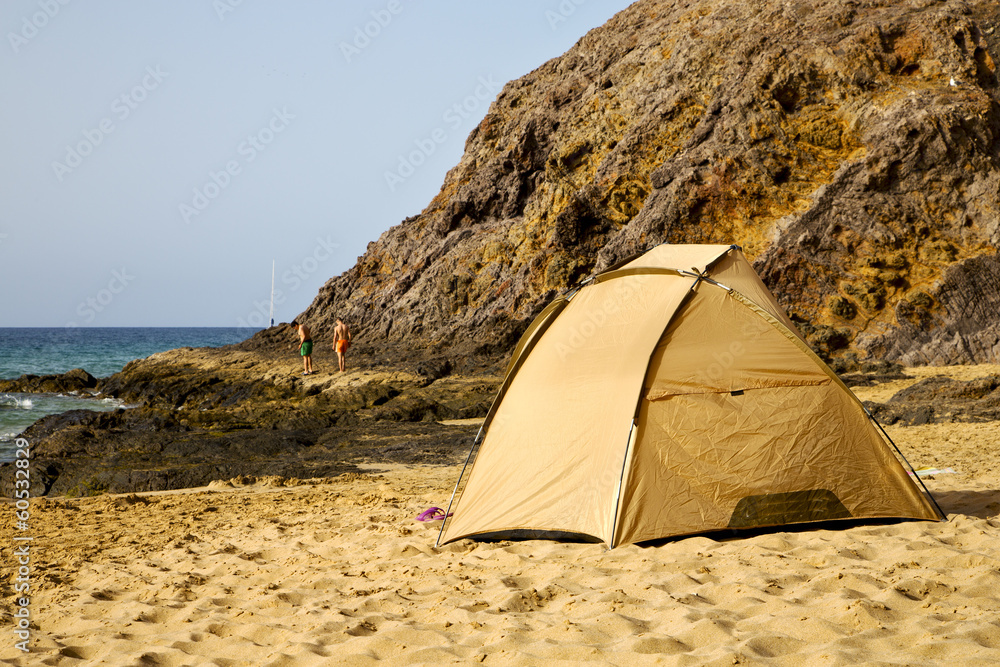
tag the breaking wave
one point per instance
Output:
(16, 402)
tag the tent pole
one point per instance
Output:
(621, 480)
(468, 458)
(920, 481)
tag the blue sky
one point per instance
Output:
(157, 156)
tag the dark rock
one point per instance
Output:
(907, 416)
(76, 381)
(942, 399)
(210, 414)
(41, 474)
(843, 308)
(942, 389)
(856, 372)
(956, 325)
(434, 369)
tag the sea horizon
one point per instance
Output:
(101, 351)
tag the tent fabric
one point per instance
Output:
(536, 328)
(668, 397)
(553, 454)
(718, 344)
(735, 272)
(682, 257)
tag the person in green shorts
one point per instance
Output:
(305, 346)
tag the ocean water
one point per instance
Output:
(99, 351)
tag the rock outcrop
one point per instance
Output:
(852, 147)
(942, 399)
(200, 415)
(76, 381)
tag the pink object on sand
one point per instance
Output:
(432, 514)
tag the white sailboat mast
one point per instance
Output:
(272, 293)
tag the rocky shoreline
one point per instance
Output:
(205, 414)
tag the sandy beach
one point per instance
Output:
(337, 571)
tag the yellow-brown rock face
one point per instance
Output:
(851, 147)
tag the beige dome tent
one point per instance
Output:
(671, 396)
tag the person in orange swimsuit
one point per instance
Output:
(342, 341)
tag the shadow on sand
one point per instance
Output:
(981, 504)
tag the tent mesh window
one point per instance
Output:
(794, 507)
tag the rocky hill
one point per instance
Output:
(852, 147)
